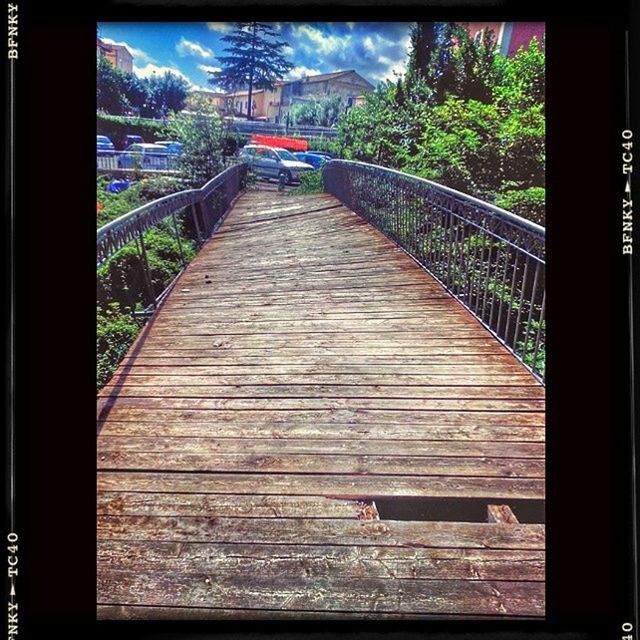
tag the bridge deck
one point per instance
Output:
(302, 366)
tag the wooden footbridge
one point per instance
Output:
(304, 375)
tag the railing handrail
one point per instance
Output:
(512, 218)
(167, 204)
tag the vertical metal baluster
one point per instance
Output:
(448, 234)
(541, 320)
(473, 247)
(145, 269)
(485, 292)
(531, 303)
(175, 228)
(511, 297)
(522, 291)
(505, 256)
(477, 298)
(194, 215)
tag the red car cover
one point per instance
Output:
(292, 144)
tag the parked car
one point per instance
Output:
(104, 146)
(273, 162)
(326, 154)
(144, 156)
(171, 146)
(130, 139)
(314, 159)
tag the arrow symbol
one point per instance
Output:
(628, 187)
(13, 590)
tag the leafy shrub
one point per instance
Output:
(116, 331)
(310, 182)
(117, 127)
(527, 203)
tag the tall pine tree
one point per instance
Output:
(254, 60)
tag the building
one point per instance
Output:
(117, 54)
(274, 104)
(510, 36)
(349, 84)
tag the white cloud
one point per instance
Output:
(301, 71)
(287, 51)
(320, 43)
(368, 44)
(351, 25)
(221, 27)
(392, 70)
(138, 54)
(208, 68)
(152, 69)
(188, 48)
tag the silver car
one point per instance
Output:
(273, 162)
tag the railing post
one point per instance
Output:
(145, 270)
(175, 229)
(194, 214)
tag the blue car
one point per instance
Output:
(144, 156)
(172, 147)
(315, 160)
(104, 146)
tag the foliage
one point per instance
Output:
(254, 59)
(527, 203)
(310, 182)
(203, 137)
(121, 287)
(463, 115)
(164, 94)
(116, 331)
(120, 93)
(116, 127)
(110, 88)
(322, 113)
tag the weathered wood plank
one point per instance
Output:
(456, 535)
(321, 445)
(280, 430)
(433, 596)
(379, 465)
(395, 563)
(337, 486)
(229, 505)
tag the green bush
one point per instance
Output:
(117, 127)
(310, 182)
(116, 331)
(527, 203)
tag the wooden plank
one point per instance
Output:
(323, 531)
(128, 409)
(433, 596)
(230, 505)
(138, 612)
(134, 387)
(279, 430)
(378, 465)
(321, 445)
(501, 513)
(161, 376)
(337, 486)
(381, 403)
(394, 563)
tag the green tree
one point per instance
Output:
(254, 60)
(202, 135)
(165, 94)
(110, 94)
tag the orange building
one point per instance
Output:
(118, 55)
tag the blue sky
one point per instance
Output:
(376, 50)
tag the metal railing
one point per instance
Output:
(128, 160)
(491, 260)
(200, 209)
